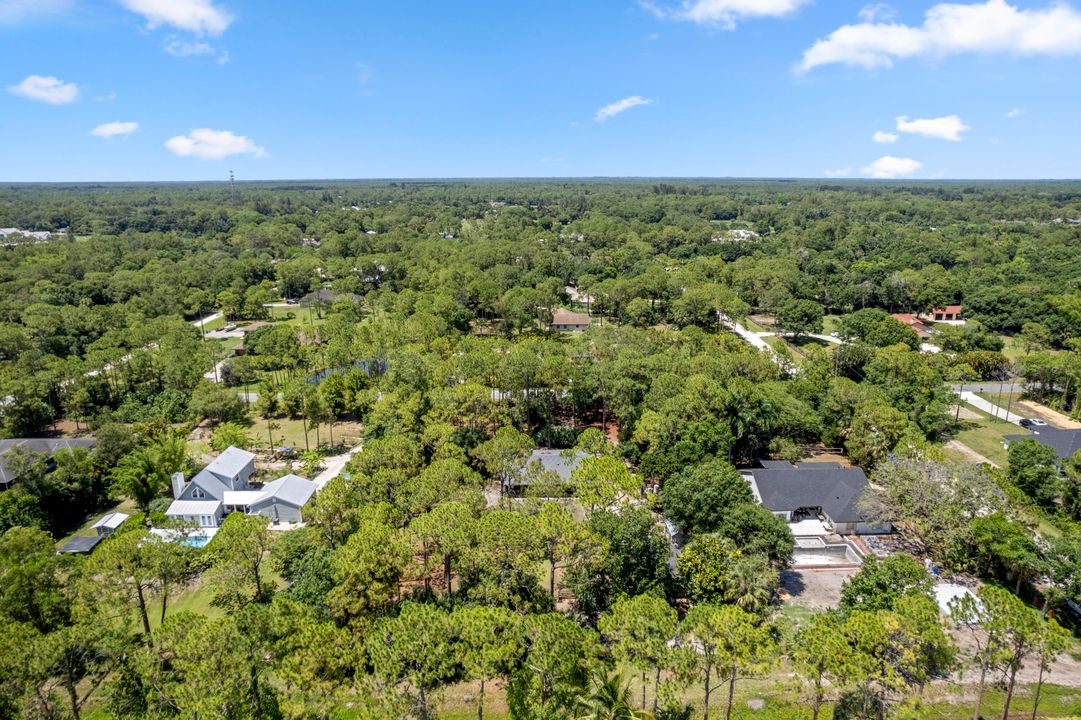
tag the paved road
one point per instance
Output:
(202, 322)
(753, 338)
(987, 387)
(215, 374)
(990, 408)
(333, 467)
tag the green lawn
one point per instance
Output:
(194, 599)
(831, 324)
(1005, 399)
(782, 700)
(1012, 350)
(86, 529)
(755, 327)
(216, 324)
(291, 432)
(985, 435)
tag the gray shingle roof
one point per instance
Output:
(836, 490)
(291, 489)
(1064, 442)
(45, 446)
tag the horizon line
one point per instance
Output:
(551, 178)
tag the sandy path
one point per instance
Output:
(968, 452)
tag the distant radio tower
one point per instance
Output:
(232, 187)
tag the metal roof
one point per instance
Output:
(231, 462)
(290, 489)
(193, 507)
(112, 521)
(210, 483)
(555, 461)
(242, 497)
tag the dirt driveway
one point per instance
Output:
(1045, 413)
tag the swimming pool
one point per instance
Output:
(197, 541)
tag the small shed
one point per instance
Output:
(110, 523)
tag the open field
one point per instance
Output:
(985, 435)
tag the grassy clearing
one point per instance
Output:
(297, 315)
(1013, 349)
(782, 699)
(291, 432)
(86, 529)
(831, 324)
(754, 326)
(215, 324)
(985, 436)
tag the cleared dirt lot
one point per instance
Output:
(1047, 414)
(815, 589)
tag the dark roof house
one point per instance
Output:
(1064, 442)
(324, 296)
(816, 489)
(548, 461)
(43, 446)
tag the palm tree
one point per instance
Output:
(750, 583)
(141, 476)
(610, 699)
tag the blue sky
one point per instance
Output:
(766, 88)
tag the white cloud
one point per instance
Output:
(114, 129)
(993, 26)
(887, 167)
(943, 128)
(885, 138)
(878, 12)
(13, 12)
(46, 90)
(613, 109)
(839, 173)
(180, 48)
(1015, 113)
(724, 13)
(207, 144)
(201, 17)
